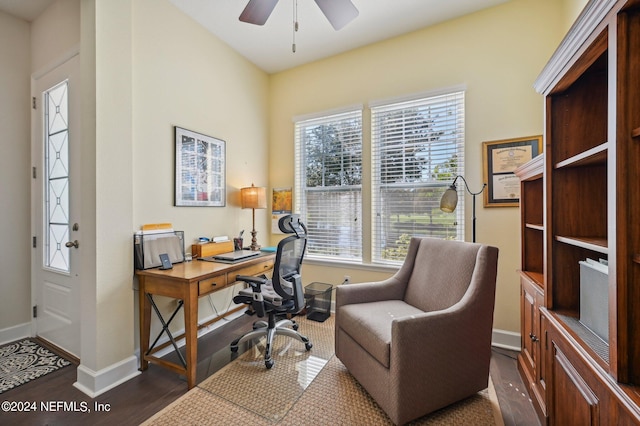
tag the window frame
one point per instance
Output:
(450, 100)
(352, 250)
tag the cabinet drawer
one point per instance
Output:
(255, 269)
(211, 284)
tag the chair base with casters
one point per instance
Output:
(270, 329)
(280, 295)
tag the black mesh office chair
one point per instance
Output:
(283, 294)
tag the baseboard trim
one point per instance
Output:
(95, 383)
(505, 339)
(17, 332)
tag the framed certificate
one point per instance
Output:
(500, 160)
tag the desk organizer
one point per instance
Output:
(211, 249)
(147, 248)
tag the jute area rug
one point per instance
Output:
(302, 388)
(26, 360)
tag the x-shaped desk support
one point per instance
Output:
(165, 328)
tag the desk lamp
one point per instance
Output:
(449, 200)
(253, 198)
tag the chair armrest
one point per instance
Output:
(457, 336)
(390, 289)
(254, 282)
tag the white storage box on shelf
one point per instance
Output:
(594, 297)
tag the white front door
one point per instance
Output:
(56, 224)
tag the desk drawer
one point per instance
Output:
(211, 284)
(255, 269)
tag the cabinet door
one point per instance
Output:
(541, 376)
(574, 403)
(529, 323)
(531, 356)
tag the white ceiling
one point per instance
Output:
(269, 46)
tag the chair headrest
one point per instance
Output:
(291, 224)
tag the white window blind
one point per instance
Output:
(328, 183)
(417, 150)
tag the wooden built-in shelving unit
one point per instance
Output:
(582, 201)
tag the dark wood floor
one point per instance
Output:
(139, 398)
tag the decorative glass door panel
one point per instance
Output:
(56, 192)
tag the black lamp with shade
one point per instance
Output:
(449, 200)
(253, 197)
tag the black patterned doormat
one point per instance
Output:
(26, 360)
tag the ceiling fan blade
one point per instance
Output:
(338, 12)
(257, 11)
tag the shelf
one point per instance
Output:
(588, 337)
(590, 243)
(595, 155)
(537, 227)
(535, 277)
(531, 170)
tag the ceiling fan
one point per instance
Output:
(338, 12)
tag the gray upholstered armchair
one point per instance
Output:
(421, 340)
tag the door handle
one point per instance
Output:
(72, 244)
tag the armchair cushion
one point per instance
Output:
(371, 322)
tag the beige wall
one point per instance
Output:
(56, 31)
(15, 163)
(183, 76)
(496, 54)
(571, 10)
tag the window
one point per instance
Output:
(417, 150)
(328, 183)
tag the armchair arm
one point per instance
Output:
(389, 289)
(392, 288)
(443, 353)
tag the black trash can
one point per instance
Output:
(318, 301)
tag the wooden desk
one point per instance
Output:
(188, 281)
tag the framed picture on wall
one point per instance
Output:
(281, 205)
(500, 160)
(200, 169)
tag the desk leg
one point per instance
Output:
(191, 332)
(145, 322)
